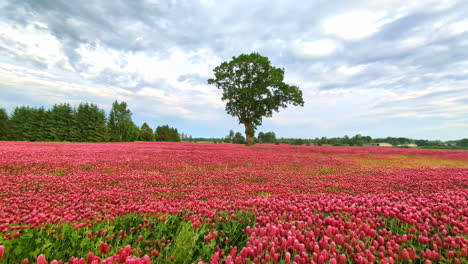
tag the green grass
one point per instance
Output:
(187, 244)
(444, 147)
(264, 193)
(60, 173)
(326, 171)
(396, 226)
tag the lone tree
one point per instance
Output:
(253, 89)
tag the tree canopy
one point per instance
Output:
(90, 124)
(83, 123)
(146, 133)
(230, 137)
(253, 89)
(268, 137)
(121, 125)
(61, 122)
(166, 133)
(238, 138)
(4, 125)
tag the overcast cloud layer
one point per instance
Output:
(376, 67)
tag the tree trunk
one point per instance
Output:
(249, 134)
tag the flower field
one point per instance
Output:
(223, 203)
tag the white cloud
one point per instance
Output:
(386, 59)
(316, 48)
(32, 42)
(405, 7)
(20, 81)
(149, 67)
(351, 70)
(458, 27)
(424, 115)
(169, 99)
(354, 25)
(411, 43)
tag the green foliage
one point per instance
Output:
(268, 137)
(187, 244)
(5, 132)
(89, 124)
(166, 133)
(396, 225)
(238, 139)
(253, 89)
(443, 147)
(146, 133)
(19, 121)
(297, 141)
(230, 137)
(426, 143)
(186, 138)
(29, 124)
(294, 141)
(121, 126)
(85, 123)
(359, 140)
(260, 137)
(60, 123)
(463, 142)
(133, 133)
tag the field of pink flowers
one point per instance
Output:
(223, 203)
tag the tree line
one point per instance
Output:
(83, 123)
(88, 123)
(357, 140)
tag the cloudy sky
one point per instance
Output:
(375, 67)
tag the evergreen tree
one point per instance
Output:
(146, 133)
(133, 132)
(160, 133)
(121, 125)
(4, 125)
(166, 133)
(40, 130)
(60, 122)
(22, 123)
(183, 137)
(90, 124)
(175, 136)
(30, 122)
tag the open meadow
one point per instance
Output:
(225, 203)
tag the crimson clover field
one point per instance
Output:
(223, 203)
